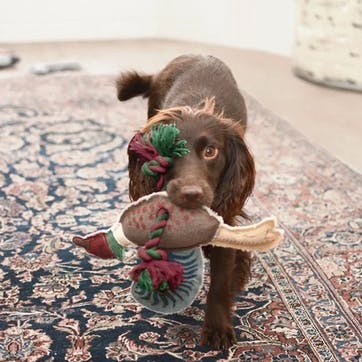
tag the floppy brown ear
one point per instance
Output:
(238, 178)
(139, 183)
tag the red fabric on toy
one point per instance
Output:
(98, 246)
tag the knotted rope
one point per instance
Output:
(157, 150)
(157, 272)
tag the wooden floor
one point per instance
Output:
(330, 118)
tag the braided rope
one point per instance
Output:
(156, 272)
(154, 164)
(149, 251)
(157, 151)
(157, 168)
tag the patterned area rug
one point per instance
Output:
(63, 170)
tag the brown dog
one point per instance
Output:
(200, 95)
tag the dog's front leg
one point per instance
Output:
(218, 331)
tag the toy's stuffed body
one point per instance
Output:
(169, 240)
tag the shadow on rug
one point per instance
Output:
(63, 170)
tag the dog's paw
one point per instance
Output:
(218, 338)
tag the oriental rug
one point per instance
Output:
(63, 171)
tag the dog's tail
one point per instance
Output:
(131, 84)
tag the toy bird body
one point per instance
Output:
(169, 239)
(188, 228)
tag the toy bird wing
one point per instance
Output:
(261, 236)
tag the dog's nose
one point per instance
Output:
(191, 193)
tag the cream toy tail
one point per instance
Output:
(261, 236)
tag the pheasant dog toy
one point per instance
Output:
(168, 237)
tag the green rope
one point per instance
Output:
(144, 281)
(152, 252)
(163, 216)
(164, 139)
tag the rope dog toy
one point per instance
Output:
(169, 237)
(169, 240)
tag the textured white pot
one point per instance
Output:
(328, 45)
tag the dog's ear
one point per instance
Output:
(238, 178)
(139, 183)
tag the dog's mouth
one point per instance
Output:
(189, 196)
(187, 204)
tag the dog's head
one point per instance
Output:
(219, 170)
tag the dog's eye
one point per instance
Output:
(210, 152)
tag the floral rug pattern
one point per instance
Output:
(63, 170)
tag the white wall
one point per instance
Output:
(44, 20)
(259, 24)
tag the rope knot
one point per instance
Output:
(157, 272)
(157, 150)
(157, 168)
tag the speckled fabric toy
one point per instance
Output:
(169, 240)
